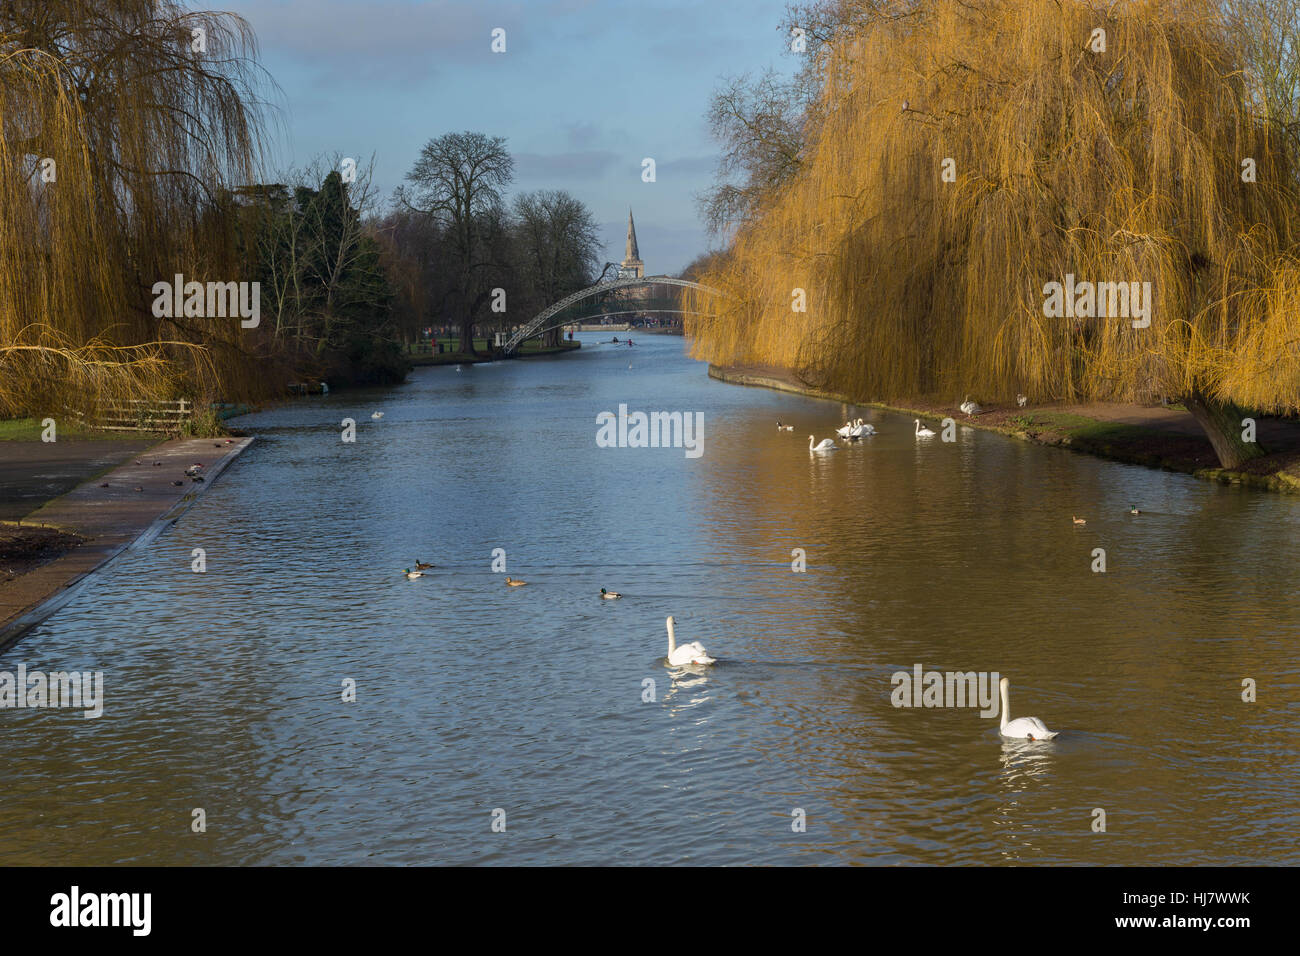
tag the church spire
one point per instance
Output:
(632, 266)
(630, 253)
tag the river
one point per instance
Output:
(224, 689)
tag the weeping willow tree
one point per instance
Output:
(966, 154)
(122, 125)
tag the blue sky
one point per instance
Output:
(585, 90)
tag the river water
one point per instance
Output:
(224, 690)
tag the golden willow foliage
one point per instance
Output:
(145, 134)
(1115, 166)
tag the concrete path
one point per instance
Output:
(32, 472)
(112, 519)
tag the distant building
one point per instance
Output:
(631, 267)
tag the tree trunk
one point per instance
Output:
(1222, 424)
(467, 336)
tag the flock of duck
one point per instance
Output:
(679, 655)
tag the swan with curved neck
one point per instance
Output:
(681, 654)
(922, 432)
(825, 445)
(1028, 728)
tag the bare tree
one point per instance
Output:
(458, 180)
(558, 244)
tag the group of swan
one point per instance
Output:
(855, 429)
(1024, 728)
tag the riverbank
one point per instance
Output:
(1165, 437)
(88, 527)
(527, 349)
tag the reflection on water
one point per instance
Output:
(223, 690)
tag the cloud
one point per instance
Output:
(404, 41)
(688, 165)
(583, 164)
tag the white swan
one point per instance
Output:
(843, 430)
(692, 653)
(861, 428)
(969, 407)
(825, 445)
(922, 432)
(1024, 727)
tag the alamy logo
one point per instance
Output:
(58, 689)
(75, 908)
(947, 689)
(656, 430)
(1102, 300)
(216, 300)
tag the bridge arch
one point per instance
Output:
(535, 326)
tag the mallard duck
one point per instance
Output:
(1078, 520)
(412, 575)
(422, 566)
(1132, 509)
(515, 582)
(609, 595)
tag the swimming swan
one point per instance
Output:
(825, 445)
(692, 653)
(861, 428)
(1024, 727)
(922, 432)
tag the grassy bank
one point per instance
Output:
(1164, 437)
(30, 429)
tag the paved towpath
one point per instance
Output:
(111, 518)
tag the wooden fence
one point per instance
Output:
(144, 416)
